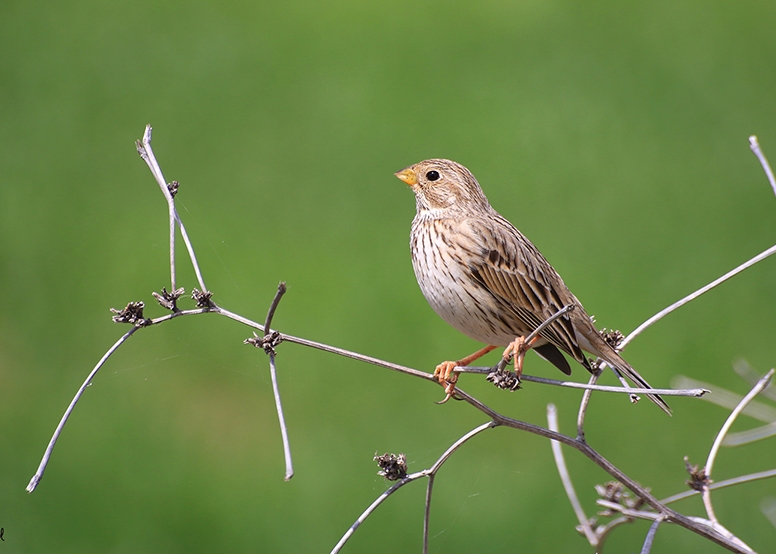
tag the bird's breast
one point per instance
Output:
(443, 251)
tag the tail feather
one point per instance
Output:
(605, 351)
(623, 367)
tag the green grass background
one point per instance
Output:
(613, 134)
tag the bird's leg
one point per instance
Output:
(447, 378)
(517, 349)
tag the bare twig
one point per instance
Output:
(720, 437)
(583, 404)
(727, 399)
(275, 388)
(647, 547)
(748, 374)
(147, 154)
(408, 479)
(770, 474)
(708, 529)
(435, 468)
(52, 443)
(698, 392)
(672, 516)
(560, 463)
(755, 146)
(690, 297)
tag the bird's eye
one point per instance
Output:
(432, 175)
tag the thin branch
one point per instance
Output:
(274, 306)
(147, 154)
(729, 400)
(435, 468)
(721, 436)
(52, 443)
(672, 516)
(560, 463)
(275, 388)
(690, 297)
(427, 511)
(647, 547)
(589, 386)
(281, 419)
(771, 473)
(628, 512)
(745, 371)
(751, 435)
(755, 146)
(502, 364)
(408, 479)
(583, 404)
(535, 333)
(373, 506)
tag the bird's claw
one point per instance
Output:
(447, 377)
(517, 349)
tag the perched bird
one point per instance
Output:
(486, 279)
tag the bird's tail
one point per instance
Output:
(613, 358)
(624, 367)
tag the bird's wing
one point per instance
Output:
(519, 277)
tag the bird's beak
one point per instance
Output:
(408, 176)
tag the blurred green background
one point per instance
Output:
(614, 135)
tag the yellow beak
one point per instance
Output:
(408, 176)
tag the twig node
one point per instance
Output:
(169, 299)
(698, 480)
(132, 313)
(392, 466)
(504, 379)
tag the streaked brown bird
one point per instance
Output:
(486, 279)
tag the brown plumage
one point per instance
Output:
(486, 279)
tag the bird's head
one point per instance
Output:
(443, 184)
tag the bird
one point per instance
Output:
(487, 280)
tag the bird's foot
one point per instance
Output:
(517, 349)
(445, 372)
(446, 377)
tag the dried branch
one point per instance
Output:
(647, 547)
(52, 443)
(755, 146)
(147, 154)
(697, 392)
(560, 463)
(270, 348)
(706, 493)
(710, 529)
(690, 297)
(430, 473)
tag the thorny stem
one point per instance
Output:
(761, 384)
